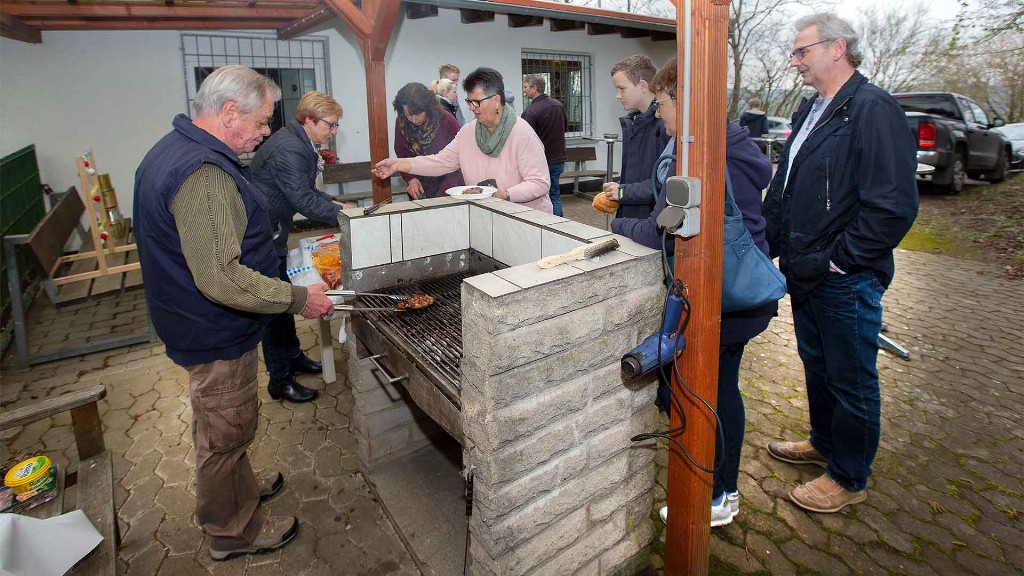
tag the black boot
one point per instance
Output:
(302, 363)
(290, 390)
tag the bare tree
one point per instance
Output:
(990, 72)
(659, 8)
(990, 17)
(895, 44)
(754, 26)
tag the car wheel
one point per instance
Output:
(1002, 167)
(959, 175)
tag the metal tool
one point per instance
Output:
(375, 207)
(355, 293)
(351, 308)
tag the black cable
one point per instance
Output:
(677, 287)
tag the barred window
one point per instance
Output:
(569, 79)
(297, 66)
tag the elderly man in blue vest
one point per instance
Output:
(210, 271)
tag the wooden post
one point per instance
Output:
(373, 24)
(698, 262)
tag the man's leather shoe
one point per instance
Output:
(290, 390)
(302, 363)
(824, 495)
(270, 484)
(276, 532)
(801, 452)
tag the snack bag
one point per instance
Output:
(327, 261)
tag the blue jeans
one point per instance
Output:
(555, 171)
(280, 343)
(837, 329)
(733, 419)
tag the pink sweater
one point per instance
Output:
(521, 168)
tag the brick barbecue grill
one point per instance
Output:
(520, 365)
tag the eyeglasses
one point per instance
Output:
(476, 103)
(659, 101)
(332, 125)
(800, 52)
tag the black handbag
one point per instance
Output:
(749, 278)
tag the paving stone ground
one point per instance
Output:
(946, 496)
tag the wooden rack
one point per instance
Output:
(110, 259)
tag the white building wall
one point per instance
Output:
(118, 91)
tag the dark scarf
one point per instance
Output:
(419, 138)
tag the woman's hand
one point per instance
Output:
(611, 190)
(501, 194)
(415, 189)
(385, 168)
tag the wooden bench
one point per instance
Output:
(45, 244)
(94, 479)
(355, 172)
(579, 156)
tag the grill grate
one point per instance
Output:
(432, 335)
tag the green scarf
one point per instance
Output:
(491, 143)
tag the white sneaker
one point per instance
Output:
(721, 514)
(724, 509)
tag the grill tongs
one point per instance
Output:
(353, 293)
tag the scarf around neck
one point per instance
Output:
(419, 138)
(491, 143)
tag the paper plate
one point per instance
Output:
(456, 191)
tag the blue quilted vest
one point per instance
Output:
(195, 329)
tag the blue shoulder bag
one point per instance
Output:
(749, 278)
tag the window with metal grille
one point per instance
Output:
(297, 66)
(569, 79)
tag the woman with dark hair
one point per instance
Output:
(498, 146)
(422, 128)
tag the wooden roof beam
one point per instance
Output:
(355, 19)
(634, 32)
(302, 25)
(557, 25)
(15, 29)
(161, 24)
(595, 29)
(148, 10)
(523, 20)
(475, 16)
(657, 36)
(417, 11)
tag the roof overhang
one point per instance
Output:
(24, 19)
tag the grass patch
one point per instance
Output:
(922, 241)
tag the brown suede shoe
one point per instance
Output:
(270, 484)
(276, 532)
(825, 495)
(797, 453)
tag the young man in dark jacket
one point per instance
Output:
(749, 171)
(547, 117)
(843, 197)
(643, 137)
